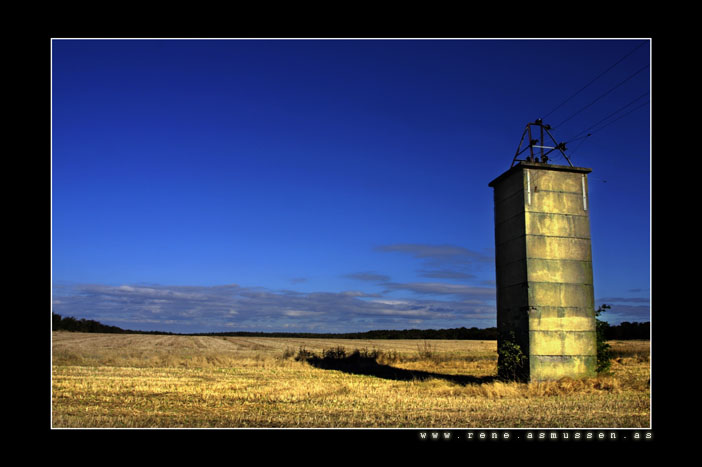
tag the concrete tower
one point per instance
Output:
(545, 298)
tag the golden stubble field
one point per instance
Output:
(153, 381)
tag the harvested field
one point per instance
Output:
(140, 381)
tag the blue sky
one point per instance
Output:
(328, 185)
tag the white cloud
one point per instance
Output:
(392, 302)
(438, 288)
(301, 313)
(210, 309)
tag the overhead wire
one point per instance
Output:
(605, 94)
(622, 116)
(594, 79)
(577, 136)
(608, 124)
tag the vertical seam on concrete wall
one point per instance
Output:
(584, 195)
(528, 187)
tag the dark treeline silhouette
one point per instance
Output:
(623, 331)
(627, 330)
(58, 323)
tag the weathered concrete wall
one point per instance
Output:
(544, 268)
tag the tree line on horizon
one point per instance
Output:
(69, 323)
(623, 331)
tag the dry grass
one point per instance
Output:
(107, 380)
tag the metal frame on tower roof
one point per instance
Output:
(539, 144)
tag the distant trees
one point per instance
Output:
(58, 323)
(627, 330)
(606, 331)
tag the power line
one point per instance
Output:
(620, 117)
(604, 126)
(577, 136)
(595, 79)
(603, 95)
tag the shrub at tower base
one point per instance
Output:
(604, 350)
(512, 362)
